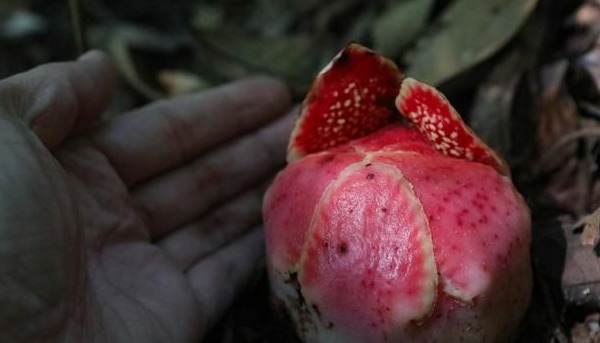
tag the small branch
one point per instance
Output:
(566, 139)
(77, 26)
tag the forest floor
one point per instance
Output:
(525, 74)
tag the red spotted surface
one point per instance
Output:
(353, 96)
(433, 115)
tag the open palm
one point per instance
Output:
(142, 229)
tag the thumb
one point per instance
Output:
(56, 99)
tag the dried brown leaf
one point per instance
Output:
(558, 113)
(491, 113)
(586, 20)
(591, 228)
(584, 77)
(586, 332)
(571, 181)
(564, 190)
(581, 276)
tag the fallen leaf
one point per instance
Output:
(120, 41)
(591, 228)
(491, 113)
(581, 276)
(468, 32)
(586, 22)
(584, 77)
(177, 82)
(239, 54)
(398, 25)
(558, 113)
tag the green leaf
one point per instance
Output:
(239, 54)
(467, 33)
(120, 41)
(399, 24)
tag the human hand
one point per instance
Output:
(142, 229)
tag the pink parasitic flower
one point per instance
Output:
(392, 221)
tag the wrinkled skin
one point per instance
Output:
(123, 231)
(385, 239)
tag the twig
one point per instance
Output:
(77, 26)
(566, 139)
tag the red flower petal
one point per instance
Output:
(368, 261)
(433, 115)
(353, 96)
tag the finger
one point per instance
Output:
(178, 197)
(197, 240)
(218, 279)
(57, 99)
(166, 134)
